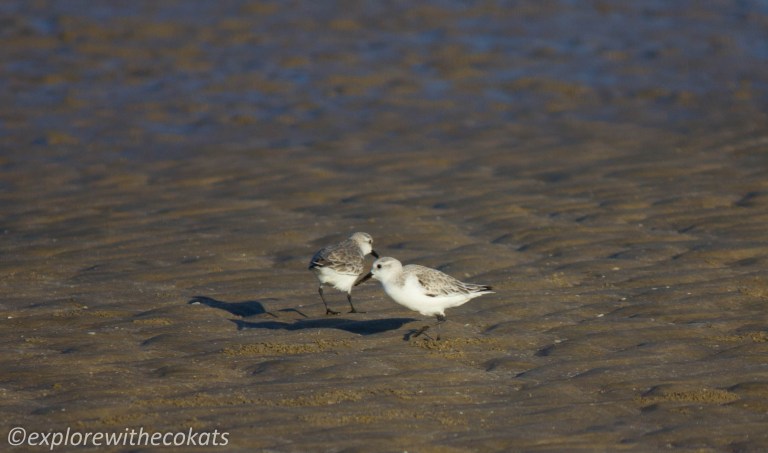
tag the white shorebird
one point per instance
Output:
(341, 264)
(422, 289)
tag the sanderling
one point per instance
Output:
(340, 265)
(422, 289)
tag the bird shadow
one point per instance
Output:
(253, 308)
(242, 309)
(367, 327)
(413, 333)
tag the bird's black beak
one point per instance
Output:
(364, 278)
(376, 255)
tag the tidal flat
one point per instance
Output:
(168, 169)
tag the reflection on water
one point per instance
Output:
(143, 79)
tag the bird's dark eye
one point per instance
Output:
(378, 266)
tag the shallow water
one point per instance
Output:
(602, 166)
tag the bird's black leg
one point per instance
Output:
(440, 320)
(349, 299)
(328, 311)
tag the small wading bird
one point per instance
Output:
(341, 264)
(422, 289)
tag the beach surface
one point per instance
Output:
(169, 168)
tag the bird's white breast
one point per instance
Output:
(342, 282)
(410, 294)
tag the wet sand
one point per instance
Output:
(167, 171)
